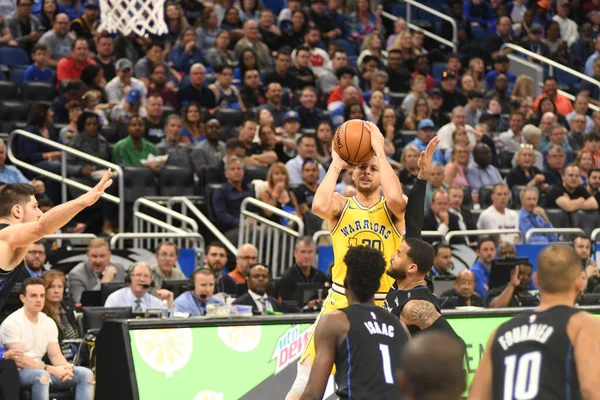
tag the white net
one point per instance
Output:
(137, 16)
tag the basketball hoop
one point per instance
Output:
(138, 16)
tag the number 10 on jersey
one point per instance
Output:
(522, 376)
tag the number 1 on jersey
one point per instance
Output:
(522, 381)
(387, 364)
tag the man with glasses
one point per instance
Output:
(166, 264)
(136, 294)
(25, 28)
(247, 255)
(556, 160)
(34, 261)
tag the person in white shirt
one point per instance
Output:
(136, 294)
(34, 333)
(458, 118)
(568, 28)
(319, 59)
(114, 88)
(497, 216)
(307, 148)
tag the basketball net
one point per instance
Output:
(137, 16)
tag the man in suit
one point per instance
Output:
(258, 282)
(438, 218)
(466, 221)
(34, 262)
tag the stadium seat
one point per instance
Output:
(348, 47)
(253, 173)
(17, 75)
(479, 33)
(176, 181)
(168, 110)
(558, 218)
(14, 111)
(139, 182)
(38, 91)
(13, 56)
(467, 198)
(111, 133)
(437, 69)
(516, 196)
(8, 90)
(208, 192)
(2, 76)
(586, 220)
(229, 118)
(505, 159)
(566, 79)
(485, 196)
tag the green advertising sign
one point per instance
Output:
(230, 362)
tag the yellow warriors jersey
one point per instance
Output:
(362, 226)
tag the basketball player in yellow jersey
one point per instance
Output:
(367, 219)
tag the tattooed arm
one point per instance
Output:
(420, 313)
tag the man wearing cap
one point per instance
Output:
(84, 27)
(451, 95)
(114, 88)
(58, 42)
(131, 150)
(71, 66)
(533, 42)
(128, 107)
(426, 132)
(436, 101)
(568, 28)
(501, 66)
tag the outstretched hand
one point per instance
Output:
(424, 162)
(377, 139)
(93, 195)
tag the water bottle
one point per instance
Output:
(164, 310)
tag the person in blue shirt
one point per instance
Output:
(531, 216)
(195, 300)
(38, 71)
(501, 66)
(486, 251)
(425, 132)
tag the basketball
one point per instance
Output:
(352, 141)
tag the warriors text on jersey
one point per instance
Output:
(361, 226)
(366, 361)
(532, 357)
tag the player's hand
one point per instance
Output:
(515, 280)
(424, 162)
(377, 140)
(337, 162)
(93, 195)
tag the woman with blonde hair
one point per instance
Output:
(410, 170)
(372, 46)
(277, 192)
(404, 43)
(477, 71)
(523, 89)
(420, 111)
(526, 173)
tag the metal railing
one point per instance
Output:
(77, 237)
(481, 232)
(595, 234)
(549, 62)
(413, 3)
(62, 178)
(534, 231)
(144, 223)
(188, 206)
(275, 242)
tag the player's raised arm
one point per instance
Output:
(392, 188)
(583, 330)
(328, 204)
(24, 234)
(332, 328)
(481, 386)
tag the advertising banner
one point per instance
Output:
(250, 362)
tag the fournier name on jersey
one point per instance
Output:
(530, 332)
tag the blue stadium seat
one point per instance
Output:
(17, 75)
(38, 91)
(348, 47)
(8, 91)
(479, 34)
(565, 79)
(176, 181)
(399, 9)
(13, 56)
